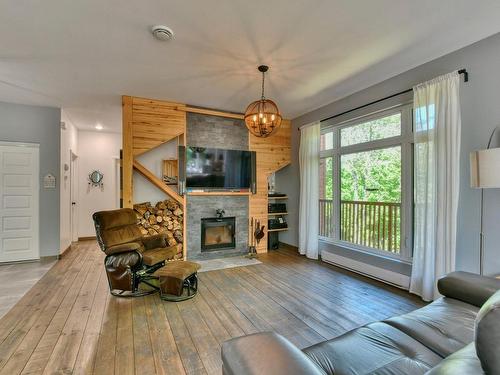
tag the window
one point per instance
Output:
(326, 195)
(326, 141)
(365, 183)
(385, 127)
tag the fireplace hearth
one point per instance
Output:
(218, 233)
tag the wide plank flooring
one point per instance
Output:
(17, 278)
(69, 323)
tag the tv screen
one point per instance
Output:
(213, 168)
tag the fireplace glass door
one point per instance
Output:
(217, 233)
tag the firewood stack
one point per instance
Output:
(165, 217)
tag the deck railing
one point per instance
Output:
(372, 224)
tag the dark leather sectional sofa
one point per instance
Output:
(456, 334)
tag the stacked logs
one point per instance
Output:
(164, 217)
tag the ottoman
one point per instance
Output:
(178, 280)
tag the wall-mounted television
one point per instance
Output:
(219, 169)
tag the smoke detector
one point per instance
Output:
(162, 33)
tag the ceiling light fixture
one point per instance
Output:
(99, 127)
(162, 32)
(262, 117)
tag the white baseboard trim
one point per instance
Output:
(393, 278)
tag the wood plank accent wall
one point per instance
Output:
(149, 123)
(155, 122)
(273, 153)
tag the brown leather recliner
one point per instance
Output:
(131, 258)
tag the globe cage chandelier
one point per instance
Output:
(262, 117)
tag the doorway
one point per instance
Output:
(19, 201)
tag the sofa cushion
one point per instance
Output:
(488, 335)
(116, 227)
(265, 353)
(444, 326)
(157, 255)
(464, 361)
(377, 348)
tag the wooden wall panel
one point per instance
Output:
(127, 153)
(273, 153)
(148, 124)
(155, 122)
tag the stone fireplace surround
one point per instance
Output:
(225, 133)
(204, 207)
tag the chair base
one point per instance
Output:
(129, 294)
(138, 278)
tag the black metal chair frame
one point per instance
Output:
(139, 276)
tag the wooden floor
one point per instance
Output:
(17, 278)
(69, 323)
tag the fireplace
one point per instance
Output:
(217, 233)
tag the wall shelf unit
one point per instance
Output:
(277, 230)
(276, 218)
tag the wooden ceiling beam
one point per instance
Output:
(213, 112)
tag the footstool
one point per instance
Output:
(178, 280)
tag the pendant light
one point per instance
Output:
(262, 117)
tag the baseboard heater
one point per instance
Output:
(386, 276)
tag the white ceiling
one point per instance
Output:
(82, 55)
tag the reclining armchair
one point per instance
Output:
(131, 258)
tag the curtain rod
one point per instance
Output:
(461, 71)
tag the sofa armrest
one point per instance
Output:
(123, 248)
(463, 361)
(468, 287)
(265, 353)
(156, 241)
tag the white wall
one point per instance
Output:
(69, 142)
(145, 191)
(96, 151)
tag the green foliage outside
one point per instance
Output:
(368, 176)
(373, 176)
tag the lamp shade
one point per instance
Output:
(485, 168)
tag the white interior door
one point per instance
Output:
(19, 166)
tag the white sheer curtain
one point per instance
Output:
(436, 106)
(309, 190)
